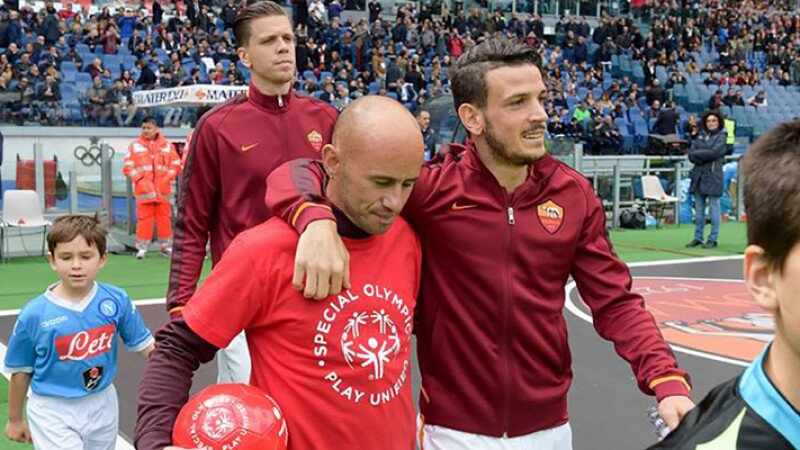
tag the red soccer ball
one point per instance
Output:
(231, 416)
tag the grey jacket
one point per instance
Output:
(708, 156)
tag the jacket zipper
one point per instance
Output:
(283, 128)
(506, 307)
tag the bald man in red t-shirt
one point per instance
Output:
(339, 369)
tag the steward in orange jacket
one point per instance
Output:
(152, 164)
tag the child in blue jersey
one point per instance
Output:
(760, 409)
(64, 346)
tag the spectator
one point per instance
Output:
(229, 13)
(147, 78)
(48, 97)
(429, 138)
(667, 121)
(27, 96)
(691, 130)
(582, 114)
(730, 98)
(654, 111)
(99, 109)
(656, 93)
(95, 69)
(127, 23)
(715, 102)
(110, 41)
(342, 97)
(760, 100)
(121, 100)
(708, 155)
(375, 9)
(49, 28)
(607, 139)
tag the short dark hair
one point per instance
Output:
(469, 76)
(150, 119)
(66, 228)
(771, 192)
(266, 8)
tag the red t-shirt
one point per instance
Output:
(339, 368)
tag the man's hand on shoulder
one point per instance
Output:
(322, 260)
(672, 409)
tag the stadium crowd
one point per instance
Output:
(608, 85)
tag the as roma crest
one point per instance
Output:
(713, 318)
(551, 216)
(315, 139)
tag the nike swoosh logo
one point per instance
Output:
(457, 207)
(246, 148)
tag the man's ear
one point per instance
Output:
(244, 57)
(472, 118)
(759, 278)
(331, 159)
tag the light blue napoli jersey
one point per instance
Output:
(71, 349)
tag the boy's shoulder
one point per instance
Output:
(110, 290)
(33, 308)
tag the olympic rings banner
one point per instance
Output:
(197, 94)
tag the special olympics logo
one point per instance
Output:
(218, 423)
(91, 156)
(370, 340)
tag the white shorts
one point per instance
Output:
(88, 423)
(434, 437)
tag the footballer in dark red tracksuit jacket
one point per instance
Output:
(235, 146)
(491, 258)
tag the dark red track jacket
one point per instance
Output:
(492, 339)
(234, 147)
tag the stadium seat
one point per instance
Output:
(128, 62)
(111, 61)
(374, 87)
(641, 132)
(83, 77)
(622, 124)
(68, 72)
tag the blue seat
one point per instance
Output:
(628, 140)
(374, 87)
(622, 124)
(128, 62)
(641, 132)
(83, 77)
(111, 61)
(310, 75)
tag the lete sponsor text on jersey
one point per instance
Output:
(86, 344)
